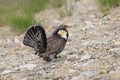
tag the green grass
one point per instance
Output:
(22, 22)
(19, 14)
(106, 5)
(57, 3)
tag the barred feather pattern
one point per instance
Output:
(35, 37)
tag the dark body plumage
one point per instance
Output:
(47, 48)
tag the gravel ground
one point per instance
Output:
(91, 53)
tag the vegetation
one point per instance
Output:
(57, 3)
(63, 11)
(20, 13)
(106, 5)
(66, 11)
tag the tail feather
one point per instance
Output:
(28, 38)
(31, 33)
(35, 37)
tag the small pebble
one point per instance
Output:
(89, 73)
(27, 67)
(6, 72)
(85, 57)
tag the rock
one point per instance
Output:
(92, 16)
(86, 63)
(26, 67)
(89, 73)
(2, 54)
(115, 49)
(71, 71)
(72, 57)
(9, 40)
(1, 50)
(75, 78)
(53, 66)
(88, 22)
(115, 75)
(85, 57)
(6, 72)
(102, 71)
(16, 40)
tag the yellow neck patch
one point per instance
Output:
(62, 33)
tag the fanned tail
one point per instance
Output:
(35, 37)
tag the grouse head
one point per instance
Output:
(62, 31)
